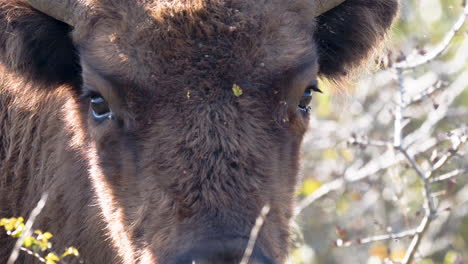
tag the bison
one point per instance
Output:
(159, 128)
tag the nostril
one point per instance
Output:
(199, 257)
(221, 252)
(226, 261)
(234, 165)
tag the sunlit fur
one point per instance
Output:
(184, 159)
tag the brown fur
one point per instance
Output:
(184, 161)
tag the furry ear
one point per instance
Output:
(36, 46)
(347, 34)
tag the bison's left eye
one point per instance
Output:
(99, 107)
(307, 96)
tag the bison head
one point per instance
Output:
(194, 111)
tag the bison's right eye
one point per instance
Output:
(99, 107)
(307, 97)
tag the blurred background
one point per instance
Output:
(357, 186)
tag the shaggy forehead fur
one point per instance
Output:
(206, 41)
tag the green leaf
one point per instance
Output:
(237, 90)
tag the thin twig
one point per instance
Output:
(437, 86)
(449, 175)
(409, 64)
(383, 162)
(410, 252)
(372, 239)
(450, 95)
(430, 209)
(422, 175)
(36, 255)
(364, 142)
(398, 124)
(319, 193)
(254, 234)
(459, 142)
(27, 230)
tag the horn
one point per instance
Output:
(59, 9)
(327, 5)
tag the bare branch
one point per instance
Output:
(365, 142)
(382, 162)
(398, 124)
(417, 239)
(437, 86)
(254, 234)
(423, 176)
(430, 209)
(27, 230)
(426, 129)
(449, 175)
(372, 239)
(34, 254)
(319, 193)
(409, 64)
(458, 142)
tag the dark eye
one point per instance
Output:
(307, 97)
(99, 107)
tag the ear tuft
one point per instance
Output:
(347, 34)
(36, 46)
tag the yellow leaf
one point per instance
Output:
(17, 230)
(355, 196)
(44, 237)
(29, 241)
(398, 255)
(451, 257)
(303, 255)
(378, 250)
(71, 251)
(309, 186)
(330, 154)
(47, 236)
(237, 90)
(51, 258)
(347, 155)
(15, 225)
(426, 261)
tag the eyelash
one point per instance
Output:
(88, 94)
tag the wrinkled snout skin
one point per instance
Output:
(160, 129)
